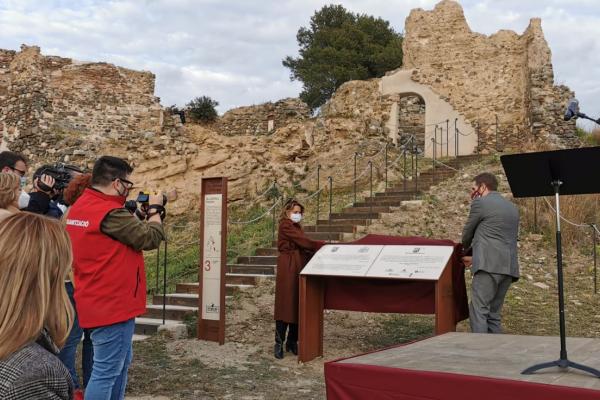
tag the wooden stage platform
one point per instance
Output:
(467, 366)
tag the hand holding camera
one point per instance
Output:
(45, 184)
(151, 206)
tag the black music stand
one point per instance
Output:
(555, 173)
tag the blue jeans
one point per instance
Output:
(68, 353)
(112, 356)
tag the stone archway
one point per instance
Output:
(440, 117)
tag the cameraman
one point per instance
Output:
(108, 266)
(38, 200)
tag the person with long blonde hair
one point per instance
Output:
(10, 190)
(35, 312)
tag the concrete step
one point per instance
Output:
(172, 312)
(179, 299)
(251, 269)
(192, 287)
(148, 326)
(246, 279)
(257, 260)
(139, 338)
(396, 193)
(268, 251)
(333, 222)
(402, 195)
(353, 215)
(330, 228)
(325, 235)
(381, 203)
(367, 209)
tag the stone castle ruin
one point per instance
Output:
(493, 93)
(481, 79)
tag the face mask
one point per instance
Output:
(23, 200)
(296, 217)
(23, 181)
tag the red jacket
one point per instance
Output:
(110, 280)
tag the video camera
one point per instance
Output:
(62, 174)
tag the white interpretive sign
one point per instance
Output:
(379, 261)
(411, 262)
(342, 260)
(211, 260)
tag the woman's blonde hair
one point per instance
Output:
(35, 253)
(289, 205)
(9, 185)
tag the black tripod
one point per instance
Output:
(528, 176)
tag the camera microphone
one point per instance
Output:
(572, 110)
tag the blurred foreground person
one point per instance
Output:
(34, 308)
(10, 189)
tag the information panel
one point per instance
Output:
(380, 261)
(346, 260)
(211, 257)
(213, 239)
(411, 262)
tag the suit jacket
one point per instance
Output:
(491, 230)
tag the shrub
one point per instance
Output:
(202, 109)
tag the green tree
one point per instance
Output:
(202, 109)
(339, 46)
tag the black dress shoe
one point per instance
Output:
(278, 350)
(293, 347)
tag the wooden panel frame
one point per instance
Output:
(213, 330)
(312, 305)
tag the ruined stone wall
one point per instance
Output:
(262, 119)
(57, 108)
(505, 75)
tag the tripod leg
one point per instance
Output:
(537, 367)
(584, 368)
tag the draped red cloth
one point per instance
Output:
(348, 381)
(395, 296)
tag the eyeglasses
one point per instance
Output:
(127, 184)
(18, 171)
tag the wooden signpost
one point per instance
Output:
(213, 259)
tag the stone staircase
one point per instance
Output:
(342, 226)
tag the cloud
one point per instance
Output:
(232, 50)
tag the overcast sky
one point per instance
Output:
(231, 50)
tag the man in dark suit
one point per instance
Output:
(491, 233)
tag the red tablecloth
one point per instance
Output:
(393, 296)
(347, 381)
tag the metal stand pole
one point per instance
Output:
(371, 185)
(563, 362)
(455, 137)
(164, 310)
(318, 193)
(595, 240)
(386, 167)
(355, 155)
(447, 135)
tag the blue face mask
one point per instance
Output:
(296, 217)
(23, 181)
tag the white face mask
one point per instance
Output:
(23, 200)
(296, 217)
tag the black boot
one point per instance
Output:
(292, 340)
(280, 328)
